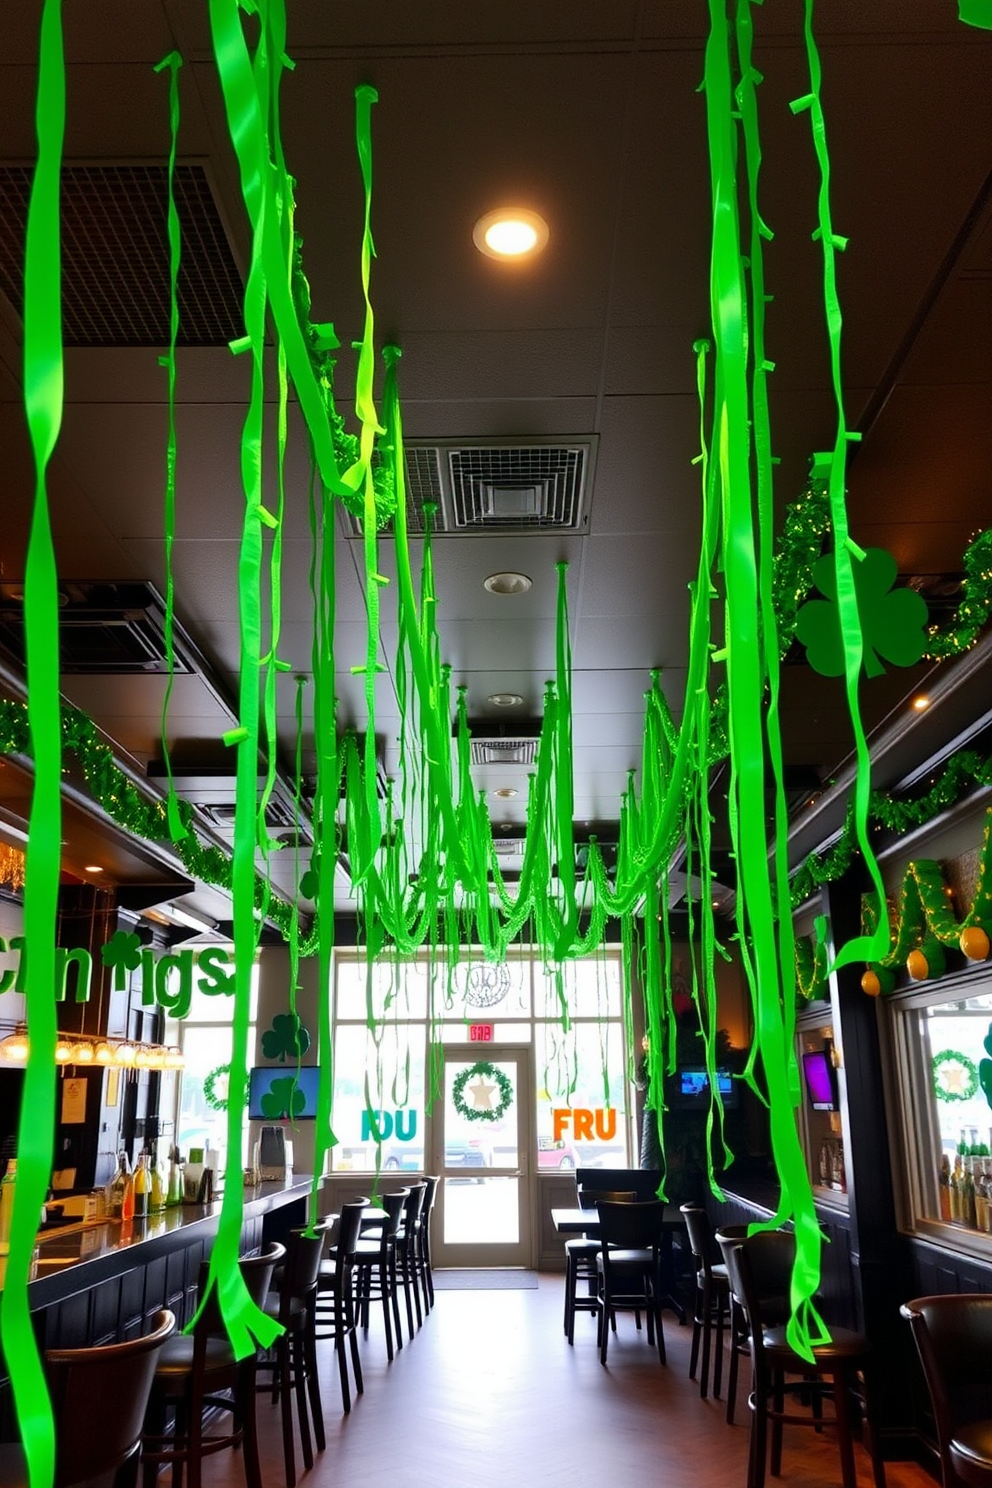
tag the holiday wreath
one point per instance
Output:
(481, 1111)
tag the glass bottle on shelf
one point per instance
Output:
(956, 1180)
(127, 1203)
(981, 1194)
(175, 1193)
(156, 1195)
(142, 1187)
(968, 1194)
(118, 1187)
(944, 1186)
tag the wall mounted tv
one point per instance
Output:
(279, 1092)
(821, 1080)
(692, 1089)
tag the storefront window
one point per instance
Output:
(204, 1036)
(943, 1044)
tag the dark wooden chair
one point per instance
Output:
(953, 1335)
(335, 1303)
(711, 1306)
(408, 1265)
(99, 1397)
(376, 1273)
(292, 1359)
(197, 1371)
(581, 1256)
(629, 1267)
(760, 1269)
(432, 1181)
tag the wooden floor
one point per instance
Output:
(488, 1394)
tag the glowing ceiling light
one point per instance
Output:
(510, 233)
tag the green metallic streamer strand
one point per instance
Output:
(177, 827)
(43, 401)
(732, 454)
(861, 947)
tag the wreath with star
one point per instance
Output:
(482, 1071)
(955, 1077)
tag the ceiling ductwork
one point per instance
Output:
(497, 485)
(104, 630)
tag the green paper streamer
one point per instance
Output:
(177, 827)
(976, 13)
(43, 394)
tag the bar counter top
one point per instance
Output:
(75, 1257)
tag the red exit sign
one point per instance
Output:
(480, 1033)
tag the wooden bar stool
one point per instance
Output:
(99, 1397)
(953, 1335)
(711, 1308)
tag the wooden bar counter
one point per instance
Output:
(103, 1281)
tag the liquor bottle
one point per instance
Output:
(981, 1194)
(944, 1186)
(968, 1195)
(127, 1203)
(156, 1197)
(142, 1187)
(956, 1180)
(175, 1194)
(118, 1187)
(7, 1204)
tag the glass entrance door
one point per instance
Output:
(483, 1140)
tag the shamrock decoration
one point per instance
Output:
(310, 882)
(892, 620)
(123, 952)
(283, 1099)
(286, 1038)
(985, 1068)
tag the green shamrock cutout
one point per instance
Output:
(283, 1100)
(310, 882)
(892, 620)
(123, 952)
(287, 1038)
(985, 1068)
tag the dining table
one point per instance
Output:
(577, 1221)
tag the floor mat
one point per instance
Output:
(485, 1281)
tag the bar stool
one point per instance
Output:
(761, 1266)
(629, 1267)
(712, 1299)
(375, 1270)
(292, 1359)
(191, 1372)
(953, 1335)
(581, 1254)
(82, 1383)
(432, 1181)
(408, 1253)
(335, 1302)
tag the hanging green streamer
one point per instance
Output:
(864, 947)
(43, 396)
(177, 827)
(745, 670)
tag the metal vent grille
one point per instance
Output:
(115, 256)
(104, 630)
(504, 751)
(486, 486)
(508, 847)
(538, 486)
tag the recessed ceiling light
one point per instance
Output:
(506, 792)
(920, 703)
(504, 699)
(510, 233)
(92, 868)
(507, 583)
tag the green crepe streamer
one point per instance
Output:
(976, 13)
(43, 394)
(177, 827)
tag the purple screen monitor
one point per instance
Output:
(821, 1083)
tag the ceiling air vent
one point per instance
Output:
(499, 742)
(115, 255)
(104, 629)
(537, 485)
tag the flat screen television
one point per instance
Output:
(692, 1088)
(821, 1080)
(278, 1092)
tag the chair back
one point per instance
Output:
(762, 1270)
(631, 1226)
(645, 1182)
(413, 1208)
(349, 1229)
(700, 1232)
(432, 1180)
(299, 1275)
(953, 1335)
(109, 1385)
(257, 1273)
(730, 1238)
(589, 1198)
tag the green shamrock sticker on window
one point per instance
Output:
(892, 620)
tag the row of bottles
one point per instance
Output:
(966, 1188)
(145, 1190)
